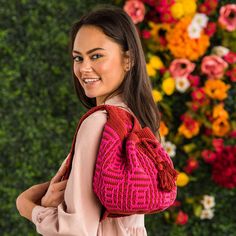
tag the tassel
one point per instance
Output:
(167, 176)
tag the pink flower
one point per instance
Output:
(213, 66)
(182, 218)
(181, 67)
(210, 29)
(232, 74)
(194, 80)
(230, 57)
(227, 17)
(218, 144)
(135, 9)
(208, 156)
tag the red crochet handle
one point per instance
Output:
(112, 116)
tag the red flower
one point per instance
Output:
(210, 29)
(232, 74)
(182, 218)
(146, 34)
(194, 80)
(199, 95)
(224, 167)
(233, 134)
(230, 57)
(208, 156)
(218, 144)
(208, 7)
(192, 164)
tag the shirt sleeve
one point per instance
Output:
(79, 213)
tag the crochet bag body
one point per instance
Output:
(133, 172)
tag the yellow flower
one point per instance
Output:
(156, 62)
(157, 96)
(182, 179)
(189, 7)
(220, 112)
(163, 129)
(158, 31)
(216, 89)
(177, 10)
(168, 86)
(220, 127)
(150, 70)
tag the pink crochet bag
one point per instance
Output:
(133, 173)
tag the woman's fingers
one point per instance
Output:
(59, 186)
(60, 173)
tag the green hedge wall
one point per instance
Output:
(39, 108)
(39, 112)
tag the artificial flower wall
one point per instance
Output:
(191, 61)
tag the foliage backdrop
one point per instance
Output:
(39, 112)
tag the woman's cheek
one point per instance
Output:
(76, 70)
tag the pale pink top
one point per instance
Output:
(79, 214)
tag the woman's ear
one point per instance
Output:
(128, 60)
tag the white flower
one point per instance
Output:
(220, 51)
(200, 19)
(208, 201)
(207, 214)
(170, 148)
(194, 31)
(182, 84)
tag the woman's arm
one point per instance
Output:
(80, 213)
(48, 194)
(30, 198)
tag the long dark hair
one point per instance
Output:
(136, 88)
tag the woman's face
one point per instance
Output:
(98, 58)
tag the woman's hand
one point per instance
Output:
(55, 192)
(27, 200)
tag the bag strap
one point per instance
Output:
(114, 120)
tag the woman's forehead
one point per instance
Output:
(89, 37)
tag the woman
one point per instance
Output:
(108, 67)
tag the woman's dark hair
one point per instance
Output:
(136, 88)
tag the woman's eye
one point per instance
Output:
(77, 58)
(96, 56)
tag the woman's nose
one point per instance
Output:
(85, 66)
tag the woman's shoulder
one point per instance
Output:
(95, 120)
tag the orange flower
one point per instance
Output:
(163, 129)
(220, 127)
(220, 112)
(189, 128)
(182, 46)
(216, 89)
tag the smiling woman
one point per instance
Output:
(94, 55)
(108, 67)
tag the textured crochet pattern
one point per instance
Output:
(133, 173)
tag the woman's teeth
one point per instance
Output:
(90, 80)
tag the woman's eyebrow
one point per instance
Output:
(89, 51)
